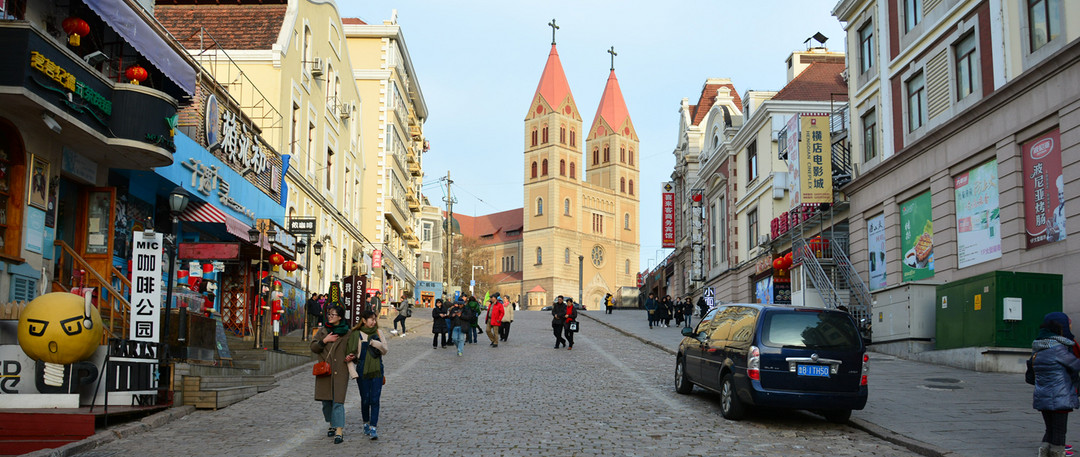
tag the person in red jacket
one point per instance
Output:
(494, 320)
(571, 316)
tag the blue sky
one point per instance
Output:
(478, 64)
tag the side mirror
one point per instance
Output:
(687, 331)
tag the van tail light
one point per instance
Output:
(865, 368)
(753, 364)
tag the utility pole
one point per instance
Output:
(449, 199)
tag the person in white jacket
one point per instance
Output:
(508, 317)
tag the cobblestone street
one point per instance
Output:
(611, 395)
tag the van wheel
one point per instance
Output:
(682, 385)
(730, 405)
(837, 416)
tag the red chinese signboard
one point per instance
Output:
(667, 218)
(1044, 190)
(209, 251)
(376, 259)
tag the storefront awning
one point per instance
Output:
(128, 24)
(204, 212)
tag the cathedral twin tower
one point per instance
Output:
(581, 197)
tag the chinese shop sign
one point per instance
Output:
(205, 179)
(815, 159)
(145, 288)
(1044, 190)
(68, 81)
(978, 225)
(668, 217)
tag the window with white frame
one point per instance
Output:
(751, 161)
(1043, 22)
(752, 227)
(967, 66)
(916, 97)
(869, 129)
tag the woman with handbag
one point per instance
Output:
(571, 325)
(1056, 380)
(330, 386)
(367, 345)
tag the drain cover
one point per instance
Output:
(943, 380)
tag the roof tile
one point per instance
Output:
(818, 82)
(234, 27)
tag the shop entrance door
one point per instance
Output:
(85, 222)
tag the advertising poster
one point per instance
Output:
(793, 161)
(875, 228)
(917, 238)
(763, 291)
(667, 216)
(815, 159)
(1044, 190)
(978, 225)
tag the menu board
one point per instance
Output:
(917, 238)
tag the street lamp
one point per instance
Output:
(178, 201)
(473, 280)
(580, 271)
(301, 247)
(255, 236)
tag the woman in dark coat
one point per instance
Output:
(1056, 370)
(329, 344)
(438, 324)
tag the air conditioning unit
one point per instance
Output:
(345, 110)
(762, 240)
(317, 67)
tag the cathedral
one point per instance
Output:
(580, 216)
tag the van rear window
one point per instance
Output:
(819, 330)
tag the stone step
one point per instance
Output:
(220, 397)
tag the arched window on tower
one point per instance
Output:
(562, 167)
(543, 168)
(622, 155)
(607, 153)
(622, 185)
(631, 187)
(631, 157)
(539, 206)
(539, 256)
(535, 136)
(562, 135)
(566, 256)
(573, 175)
(627, 266)
(566, 207)
(573, 137)
(626, 221)
(534, 169)
(595, 156)
(544, 134)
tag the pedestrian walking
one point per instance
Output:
(1056, 370)
(459, 325)
(438, 324)
(676, 311)
(571, 318)
(667, 310)
(558, 319)
(404, 311)
(703, 307)
(329, 344)
(687, 311)
(472, 314)
(314, 314)
(609, 303)
(367, 346)
(375, 304)
(493, 320)
(651, 307)
(507, 319)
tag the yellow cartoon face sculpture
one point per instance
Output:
(53, 328)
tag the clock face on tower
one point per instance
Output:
(597, 255)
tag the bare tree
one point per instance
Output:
(469, 252)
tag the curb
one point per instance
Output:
(112, 434)
(878, 431)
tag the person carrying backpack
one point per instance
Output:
(473, 318)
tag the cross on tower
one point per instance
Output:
(553, 29)
(613, 54)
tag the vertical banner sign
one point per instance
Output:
(917, 238)
(978, 225)
(347, 301)
(875, 229)
(793, 161)
(815, 159)
(1044, 190)
(376, 258)
(145, 288)
(667, 218)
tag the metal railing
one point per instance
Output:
(818, 278)
(112, 304)
(860, 294)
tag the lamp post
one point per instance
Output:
(301, 247)
(580, 271)
(255, 236)
(317, 248)
(473, 279)
(178, 201)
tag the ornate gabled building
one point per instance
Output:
(580, 218)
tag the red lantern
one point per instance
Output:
(136, 74)
(697, 198)
(75, 28)
(778, 263)
(276, 259)
(789, 259)
(290, 266)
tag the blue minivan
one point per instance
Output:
(776, 356)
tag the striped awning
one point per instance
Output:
(205, 212)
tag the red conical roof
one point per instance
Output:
(553, 87)
(612, 111)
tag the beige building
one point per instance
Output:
(392, 114)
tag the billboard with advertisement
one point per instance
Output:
(875, 231)
(978, 225)
(917, 238)
(814, 165)
(667, 216)
(1044, 190)
(792, 149)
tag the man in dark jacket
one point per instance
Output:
(558, 318)
(702, 307)
(650, 306)
(314, 315)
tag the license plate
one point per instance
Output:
(812, 370)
